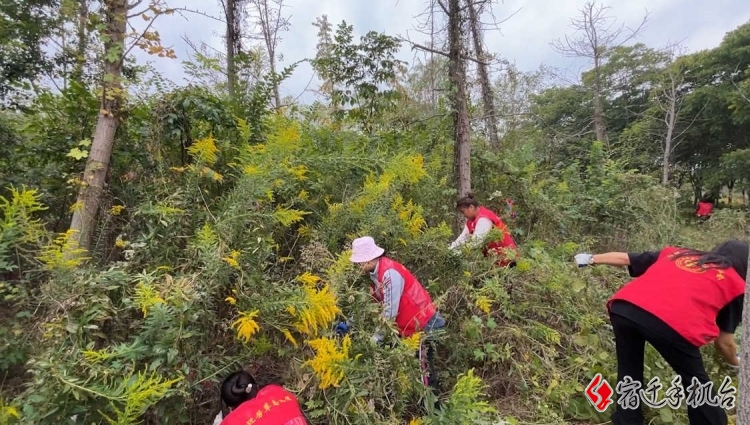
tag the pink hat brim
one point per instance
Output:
(363, 257)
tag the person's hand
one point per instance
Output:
(583, 260)
(342, 328)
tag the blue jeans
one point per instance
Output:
(436, 322)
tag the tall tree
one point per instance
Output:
(457, 76)
(455, 11)
(669, 98)
(594, 38)
(488, 101)
(113, 34)
(233, 10)
(354, 73)
(24, 26)
(270, 23)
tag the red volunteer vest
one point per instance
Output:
(686, 297)
(273, 405)
(498, 247)
(415, 307)
(705, 208)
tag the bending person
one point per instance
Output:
(402, 297)
(679, 301)
(479, 222)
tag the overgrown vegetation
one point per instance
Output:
(221, 239)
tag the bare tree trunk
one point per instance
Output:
(488, 100)
(270, 29)
(670, 120)
(462, 166)
(83, 18)
(599, 126)
(230, 12)
(97, 166)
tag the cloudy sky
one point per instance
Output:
(524, 38)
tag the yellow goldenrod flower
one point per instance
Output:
(246, 325)
(328, 363)
(146, 296)
(483, 303)
(119, 243)
(117, 209)
(63, 253)
(204, 150)
(250, 170)
(412, 342)
(232, 259)
(230, 300)
(317, 310)
(308, 279)
(289, 337)
(415, 421)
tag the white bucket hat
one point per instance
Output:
(364, 250)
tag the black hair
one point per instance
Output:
(236, 389)
(467, 201)
(732, 253)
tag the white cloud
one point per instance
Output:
(524, 38)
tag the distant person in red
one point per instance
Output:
(249, 404)
(704, 208)
(479, 222)
(679, 301)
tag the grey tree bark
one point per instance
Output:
(462, 151)
(743, 395)
(94, 176)
(488, 100)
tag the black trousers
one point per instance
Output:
(683, 357)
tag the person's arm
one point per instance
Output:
(461, 238)
(637, 263)
(728, 319)
(393, 287)
(727, 348)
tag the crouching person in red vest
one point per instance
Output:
(403, 298)
(479, 222)
(250, 404)
(679, 301)
(704, 209)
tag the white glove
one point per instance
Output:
(735, 367)
(583, 260)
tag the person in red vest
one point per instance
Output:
(704, 208)
(479, 222)
(250, 404)
(403, 298)
(680, 300)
